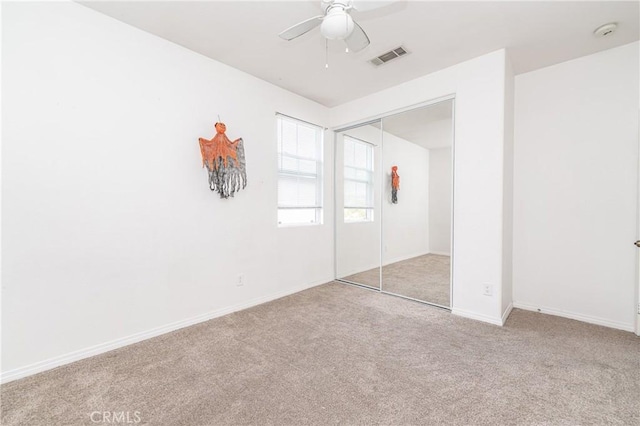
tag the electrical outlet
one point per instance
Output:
(487, 289)
(240, 281)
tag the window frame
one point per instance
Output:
(370, 183)
(318, 176)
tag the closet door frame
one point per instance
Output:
(380, 118)
(336, 132)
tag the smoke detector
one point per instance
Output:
(605, 30)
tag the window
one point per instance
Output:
(299, 172)
(358, 180)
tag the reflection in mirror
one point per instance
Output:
(417, 220)
(358, 204)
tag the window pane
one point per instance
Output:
(300, 172)
(358, 215)
(307, 166)
(307, 192)
(289, 138)
(363, 175)
(289, 164)
(298, 216)
(358, 194)
(348, 152)
(306, 142)
(349, 193)
(361, 194)
(358, 181)
(287, 191)
(349, 173)
(360, 155)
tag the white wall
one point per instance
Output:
(110, 233)
(479, 86)
(576, 163)
(440, 175)
(406, 224)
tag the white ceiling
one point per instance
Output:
(243, 34)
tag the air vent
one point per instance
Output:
(388, 56)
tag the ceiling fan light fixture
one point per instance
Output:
(337, 25)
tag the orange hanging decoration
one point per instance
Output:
(395, 184)
(225, 162)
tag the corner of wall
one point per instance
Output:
(507, 191)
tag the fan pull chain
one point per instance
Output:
(326, 53)
(346, 30)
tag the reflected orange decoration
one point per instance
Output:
(224, 161)
(395, 184)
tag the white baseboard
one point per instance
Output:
(48, 364)
(477, 317)
(575, 316)
(506, 313)
(440, 253)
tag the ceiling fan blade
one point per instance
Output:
(301, 28)
(357, 40)
(366, 5)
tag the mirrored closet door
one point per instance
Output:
(358, 204)
(417, 203)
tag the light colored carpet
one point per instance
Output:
(369, 277)
(424, 277)
(337, 354)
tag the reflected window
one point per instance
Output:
(358, 180)
(299, 172)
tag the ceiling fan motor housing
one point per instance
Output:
(337, 24)
(326, 4)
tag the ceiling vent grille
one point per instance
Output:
(388, 56)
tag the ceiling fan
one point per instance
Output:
(337, 23)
